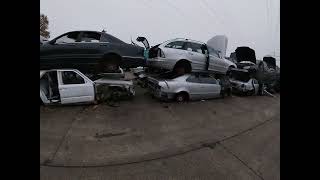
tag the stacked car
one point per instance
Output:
(86, 66)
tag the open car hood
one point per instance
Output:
(245, 53)
(219, 43)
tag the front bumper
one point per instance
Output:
(162, 95)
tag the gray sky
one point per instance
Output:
(253, 23)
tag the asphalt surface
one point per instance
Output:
(231, 138)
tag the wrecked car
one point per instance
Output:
(192, 86)
(69, 86)
(90, 52)
(268, 74)
(243, 83)
(184, 55)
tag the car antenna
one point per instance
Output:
(132, 41)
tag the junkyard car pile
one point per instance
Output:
(86, 67)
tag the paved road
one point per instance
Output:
(231, 138)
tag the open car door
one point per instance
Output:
(74, 87)
(144, 42)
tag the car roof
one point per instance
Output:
(185, 39)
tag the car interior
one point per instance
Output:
(49, 86)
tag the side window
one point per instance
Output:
(175, 45)
(195, 47)
(68, 38)
(70, 77)
(213, 52)
(208, 80)
(193, 79)
(90, 37)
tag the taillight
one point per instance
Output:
(160, 53)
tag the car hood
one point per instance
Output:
(219, 43)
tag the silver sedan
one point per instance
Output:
(186, 87)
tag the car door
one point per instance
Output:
(174, 50)
(90, 47)
(196, 88)
(211, 87)
(195, 55)
(215, 62)
(59, 52)
(74, 87)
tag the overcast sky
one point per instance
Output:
(253, 23)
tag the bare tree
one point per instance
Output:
(44, 25)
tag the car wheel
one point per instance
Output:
(181, 97)
(182, 67)
(110, 63)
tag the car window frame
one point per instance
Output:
(82, 32)
(183, 45)
(54, 41)
(193, 76)
(190, 42)
(63, 83)
(202, 80)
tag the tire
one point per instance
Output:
(181, 97)
(110, 63)
(182, 67)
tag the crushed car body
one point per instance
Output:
(69, 86)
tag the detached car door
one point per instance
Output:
(74, 87)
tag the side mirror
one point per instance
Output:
(52, 42)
